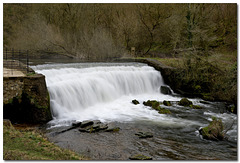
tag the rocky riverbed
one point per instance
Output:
(164, 143)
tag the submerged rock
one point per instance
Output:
(165, 90)
(196, 107)
(135, 102)
(185, 102)
(144, 134)
(164, 111)
(214, 131)
(140, 157)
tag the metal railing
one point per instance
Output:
(16, 60)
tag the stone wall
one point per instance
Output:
(26, 99)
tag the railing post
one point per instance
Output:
(12, 60)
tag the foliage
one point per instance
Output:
(29, 144)
(102, 31)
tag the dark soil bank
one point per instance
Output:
(166, 144)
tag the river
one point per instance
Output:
(104, 91)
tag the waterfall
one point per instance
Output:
(74, 88)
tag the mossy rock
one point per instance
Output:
(135, 102)
(214, 131)
(167, 103)
(140, 157)
(196, 107)
(154, 104)
(164, 111)
(185, 102)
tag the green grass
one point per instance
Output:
(28, 144)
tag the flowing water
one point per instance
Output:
(104, 91)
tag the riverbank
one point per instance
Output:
(29, 143)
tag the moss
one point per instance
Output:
(197, 89)
(31, 74)
(154, 104)
(214, 131)
(195, 106)
(185, 102)
(167, 103)
(164, 111)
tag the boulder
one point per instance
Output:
(165, 90)
(185, 102)
(154, 104)
(135, 102)
(214, 131)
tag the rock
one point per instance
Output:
(154, 104)
(96, 126)
(86, 123)
(103, 127)
(96, 122)
(140, 157)
(112, 129)
(164, 111)
(76, 124)
(167, 103)
(185, 102)
(196, 107)
(165, 90)
(135, 102)
(144, 134)
(214, 131)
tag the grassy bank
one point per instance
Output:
(30, 144)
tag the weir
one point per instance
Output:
(73, 88)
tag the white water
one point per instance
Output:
(98, 91)
(105, 93)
